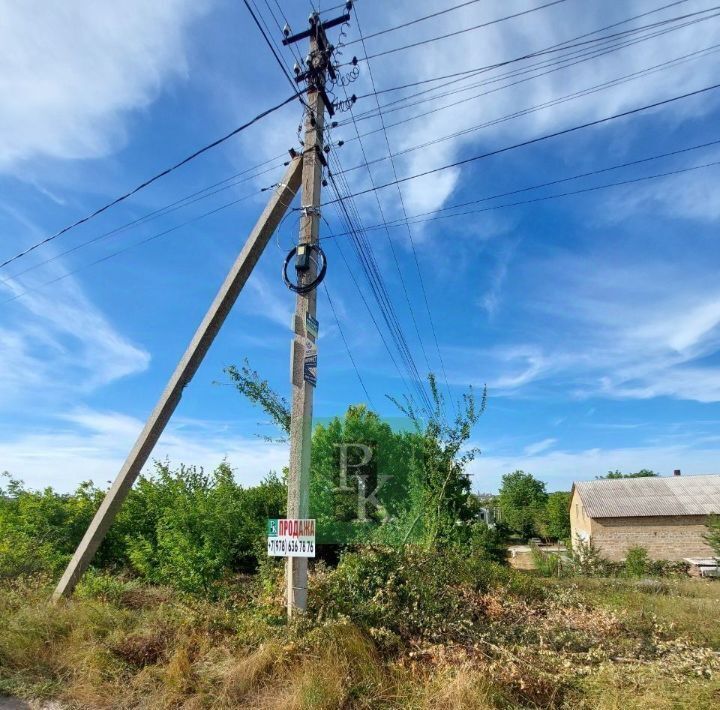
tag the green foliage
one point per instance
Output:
(440, 494)
(192, 528)
(636, 562)
(556, 516)
(184, 528)
(486, 543)
(39, 530)
(258, 391)
(423, 490)
(372, 455)
(522, 503)
(642, 473)
(547, 564)
(713, 533)
(414, 592)
(587, 560)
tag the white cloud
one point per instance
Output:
(87, 444)
(267, 301)
(504, 41)
(539, 446)
(74, 69)
(57, 343)
(560, 468)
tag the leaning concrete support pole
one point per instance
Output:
(188, 365)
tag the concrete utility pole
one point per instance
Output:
(303, 345)
(308, 170)
(186, 368)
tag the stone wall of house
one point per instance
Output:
(665, 538)
(580, 522)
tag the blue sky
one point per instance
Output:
(593, 319)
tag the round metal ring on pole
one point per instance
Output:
(320, 263)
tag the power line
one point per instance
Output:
(150, 181)
(409, 22)
(392, 250)
(274, 53)
(532, 141)
(537, 107)
(572, 43)
(581, 51)
(369, 310)
(457, 32)
(409, 231)
(128, 248)
(347, 347)
(368, 264)
(186, 201)
(483, 68)
(370, 268)
(594, 188)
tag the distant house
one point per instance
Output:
(666, 516)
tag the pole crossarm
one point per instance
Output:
(186, 368)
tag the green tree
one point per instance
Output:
(556, 518)
(191, 528)
(522, 501)
(442, 502)
(642, 473)
(428, 492)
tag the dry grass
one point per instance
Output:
(591, 644)
(686, 607)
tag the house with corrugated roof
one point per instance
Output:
(665, 515)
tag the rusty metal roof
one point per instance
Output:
(644, 497)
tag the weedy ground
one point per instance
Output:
(596, 643)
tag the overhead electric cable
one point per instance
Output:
(280, 62)
(412, 219)
(347, 347)
(150, 181)
(565, 44)
(351, 272)
(537, 107)
(554, 64)
(457, 32)
(186, 201)
(410, 22)
(393, 252)
(369, 266)
(128, 248)
(409, 231)
(475, 70)
(532, 141)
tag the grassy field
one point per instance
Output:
(589, 643)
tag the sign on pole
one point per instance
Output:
(311, 325)
(291, 537)
(310, 363)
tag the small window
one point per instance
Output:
(577, 510)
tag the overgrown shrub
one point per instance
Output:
(183, 527)
(636, 562)
(413, 592)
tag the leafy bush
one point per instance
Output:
(636, 562)
(39, 530)
(486, 543)
(178, 527)
(413, 592)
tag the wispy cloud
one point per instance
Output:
(58, 343)
(75, 68)
(559, 468)
(539, 446)
(88, 444)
